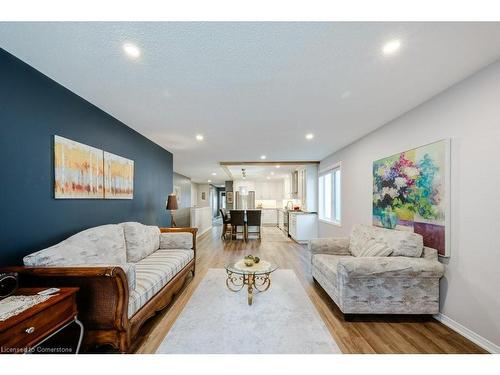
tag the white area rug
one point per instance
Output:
(281, 320)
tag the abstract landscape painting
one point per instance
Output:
(118, 177)
(411, 192)
(78, 170)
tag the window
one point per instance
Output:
(329, 195)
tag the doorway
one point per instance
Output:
(222, 199)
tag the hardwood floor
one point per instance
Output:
(365, 334)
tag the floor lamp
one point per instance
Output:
(172, 206)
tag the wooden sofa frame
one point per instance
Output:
(103, 297)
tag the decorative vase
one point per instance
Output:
(389, 219)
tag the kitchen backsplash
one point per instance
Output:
(271, 203)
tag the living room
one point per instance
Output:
(247, 188)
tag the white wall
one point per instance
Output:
(197, 190)
(184, 184)
(469, 114)
(194, 194)
(201, 218)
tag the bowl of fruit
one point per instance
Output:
(250, 260)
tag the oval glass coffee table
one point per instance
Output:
(255, 277)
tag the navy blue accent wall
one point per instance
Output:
(34, 108)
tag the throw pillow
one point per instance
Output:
(373, 248)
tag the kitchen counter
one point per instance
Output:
(302, 213)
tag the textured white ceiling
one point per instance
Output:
(253, 88)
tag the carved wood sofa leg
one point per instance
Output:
(124, 342)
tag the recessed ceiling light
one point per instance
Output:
(272, 173)
(263, 157)
(268, 177)
(309, 136)
(391, 47)
(278, 166)
(214, 174)
(199, 137)
(132, 50)
(209, 181)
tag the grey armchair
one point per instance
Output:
(405, 280)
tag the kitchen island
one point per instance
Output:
(303, 226)
(269, 216)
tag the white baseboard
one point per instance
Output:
(466, 332)
(205, 231)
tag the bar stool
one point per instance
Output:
(253, 220)
(237, 219)
(226, 223)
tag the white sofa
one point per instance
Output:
(126, 272)
(378, 271)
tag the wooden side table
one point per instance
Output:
(22, 333)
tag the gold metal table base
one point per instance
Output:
(235, 282)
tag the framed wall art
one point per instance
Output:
(118, 177)
(411, 191)
(78, 170)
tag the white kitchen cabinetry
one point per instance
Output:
(294, 184)
(287, 187)
(310, 193)
(269, 190)
(281, 219)
(269, 217)
(306, 187)
(303, 226)
(301, 189)
(260, 190)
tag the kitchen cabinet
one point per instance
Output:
(310, 192)
(302, 226)
(269, 190)
(259, 190)
(281, 219)
(298, 183)
(301, 184)
(305, 187)
(294, 184)
(269, 217)
(287, 188)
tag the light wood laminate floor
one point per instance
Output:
(365, 334)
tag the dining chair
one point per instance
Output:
(226, 222)
(254, 220)
(236, 220)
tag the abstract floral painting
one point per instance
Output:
(78, 170)
(118, 177)
(411, 192)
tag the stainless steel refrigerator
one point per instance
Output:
(244, 202)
